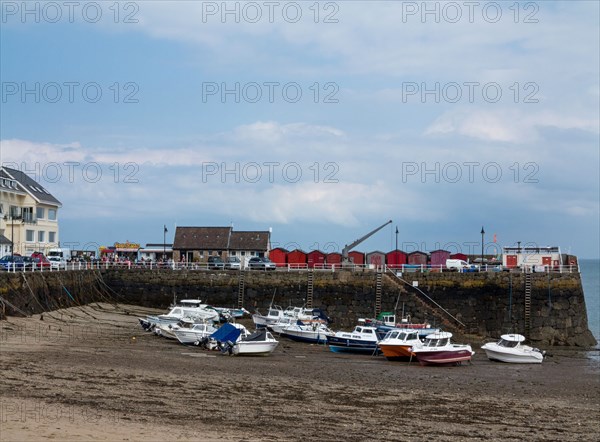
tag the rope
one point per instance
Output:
(14, 307)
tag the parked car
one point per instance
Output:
(215, 262)
(261, 263)
(13, 262)
(233, 263)
(40, 261)
(57, 262)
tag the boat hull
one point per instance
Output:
(305, 336)
(396, 352)
(250, 348)
(505, 355)
(443, 357)
(349, 345)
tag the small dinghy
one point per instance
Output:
(260, 342)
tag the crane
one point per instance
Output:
(350, 246)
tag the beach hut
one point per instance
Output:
(461, 256)
(376, 258)
(279, 256)
(334, 259)
(438, 258)
(296, 258)
(395, 258)
(357, 258)
(316, 258)
(417, 258)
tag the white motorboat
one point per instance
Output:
(261, 342)
(274, 315)
(195, 334)
(200, 312)
(439, 350)
(510, 349)
(315, 332)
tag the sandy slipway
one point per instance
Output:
(91, 373)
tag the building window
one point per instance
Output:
(29, 235)
(41, 236)
(40, 213)
(28, 213)
(14, 211)
(1, 209)
(52, 214)
(51, 236)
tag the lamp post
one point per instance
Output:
(396, 237)
(165, 242)
(482, 234)
(12, 219)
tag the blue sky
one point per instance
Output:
(372, 145)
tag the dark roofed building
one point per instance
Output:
(196, 244)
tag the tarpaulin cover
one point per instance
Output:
(226, 332)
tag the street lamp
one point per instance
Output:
(165, 242)
(482, 233)
(12, 231)
(396, 237)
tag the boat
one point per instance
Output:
(362, 339)
(193, 335)
(274, 315)
(386, 322)
(186, 308)
(509, 349)
(439, 350)
(315, 333)
(260, 342)
(397, 344)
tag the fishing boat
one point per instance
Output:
(360, 340)
(315, 333)
(510, 349)
(258, 343)
(439, 350)
(274, 314)
(397, 344)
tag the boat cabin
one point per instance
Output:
(402, 335)
(437, 339)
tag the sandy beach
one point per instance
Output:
(92, 373)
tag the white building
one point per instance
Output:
(28, 213)
(530, 257)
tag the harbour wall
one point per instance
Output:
(485, 304)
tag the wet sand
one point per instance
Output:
(92, 373)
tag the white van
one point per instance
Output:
(457, 265)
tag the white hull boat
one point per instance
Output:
(510, 349)
(192, 336)
(315, 333)
(260, 343)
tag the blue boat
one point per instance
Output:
(360, 340)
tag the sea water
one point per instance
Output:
(590, 279)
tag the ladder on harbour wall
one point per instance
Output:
(309, 289)
(241, 288)
(527, 303)
(378, 291)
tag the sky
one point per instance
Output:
(319, 120)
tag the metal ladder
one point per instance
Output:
(309, 289)
(241, 287)
(378, 291)
(527, 303)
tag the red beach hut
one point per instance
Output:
(357, 258)
(376, 258)
(316, 258)
(279, 256)
(334, 259)
(419, 258)
(438, 258)
(296, 258)
(395, 258)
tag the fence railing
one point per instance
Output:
(336, 267)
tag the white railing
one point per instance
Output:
(403, 268)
